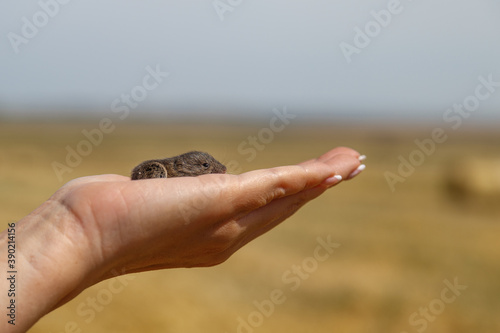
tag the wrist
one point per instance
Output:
(50, 263)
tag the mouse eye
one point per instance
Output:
(206, 165)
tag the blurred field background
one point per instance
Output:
(396, 248)
(371, 75)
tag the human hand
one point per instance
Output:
(96, 225)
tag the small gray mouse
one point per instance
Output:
(193, 163)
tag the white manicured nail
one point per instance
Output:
(357, 171)
(362, 157)
(332, 180)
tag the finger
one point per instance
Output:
(258, 188)
(339, 151)
(269, 216)
(255, 189)
(266, 218)
(344, 165)
(332, 153)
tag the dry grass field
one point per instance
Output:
(400, 252)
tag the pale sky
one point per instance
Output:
(83, 55)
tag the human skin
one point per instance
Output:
(96, 225)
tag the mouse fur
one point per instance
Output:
(193, 163)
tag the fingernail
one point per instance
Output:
(333, 180)
(362, 157)
(357, 171)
